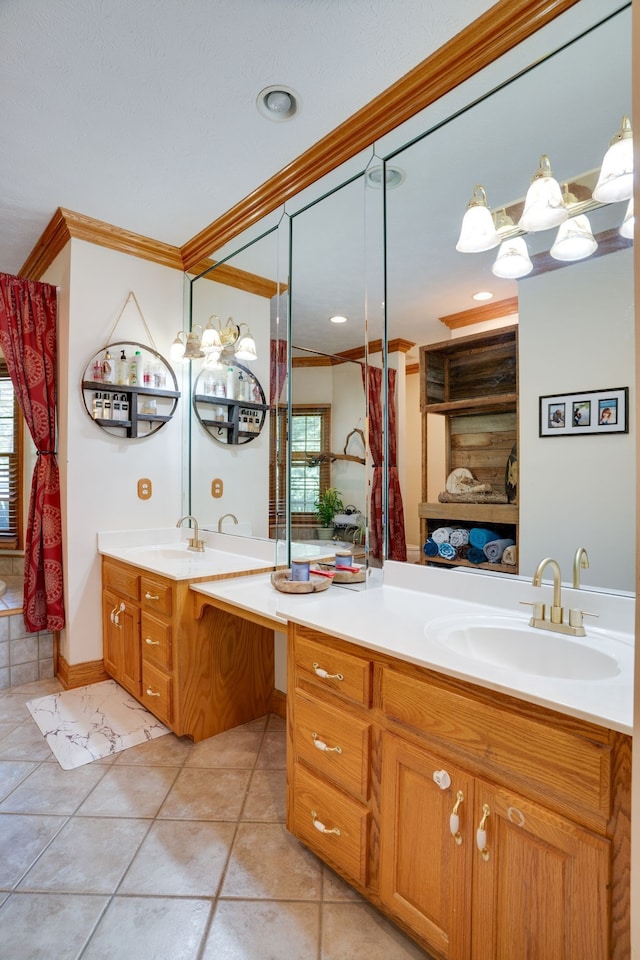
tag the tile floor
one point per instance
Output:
(167, 851)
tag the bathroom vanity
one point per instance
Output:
(198, 676)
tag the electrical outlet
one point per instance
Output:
(144, 488)
(217, 488)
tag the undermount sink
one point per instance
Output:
(169, 553)
(512, 644)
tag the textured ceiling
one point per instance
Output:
(143, 113)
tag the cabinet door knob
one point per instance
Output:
(151, 643)
(320, 745)
(318, 670)
(150, 693)
(321, 827)
(442, 778)
(454, 819)
(151, 596)
(481, 833)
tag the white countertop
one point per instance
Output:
(165, 552)
(391, 619)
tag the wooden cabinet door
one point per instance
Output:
(121, 641)
(539, 886)
(425, 872)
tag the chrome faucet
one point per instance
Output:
(581, 559)
(556, 621)
(223, 518)
(194, 543)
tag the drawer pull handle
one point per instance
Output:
(321, 827)
(151, 643)
(454, 819)
(115, 614)
(151, 596)
(150, 693)
(320, 745)
(481, 833)
(326, 676)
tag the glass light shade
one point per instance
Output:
(176, 350)
(574, 241)
(544, 206)
(192, 350)
(246, 349)
(478, 231)
(210, 339)
(628, 224)
(513, 260)
(616, 174)
(212, 361)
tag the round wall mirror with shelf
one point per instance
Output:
(229, 402)
(129, 390)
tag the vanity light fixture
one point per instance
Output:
(214, 341)
(513, 260)
(629, 222)
(478, 231)
(544, 204)
(616, 174)
(186, 349)
(338, 319)
(574, 240)
(278, 103)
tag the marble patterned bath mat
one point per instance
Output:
(93, 722)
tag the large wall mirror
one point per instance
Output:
(561, 93)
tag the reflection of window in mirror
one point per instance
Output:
(310, 444)
(10, 463)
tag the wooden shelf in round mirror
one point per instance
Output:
(229, 402)
(129, 400)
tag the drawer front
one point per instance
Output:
(521, 751)
(346, 674)
(333, 743)
(156, 641)
(331, 823)
(156, 595)
(121, 579)
(157, 693)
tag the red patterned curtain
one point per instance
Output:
(28, 336)
(278, 370)
(395, 511)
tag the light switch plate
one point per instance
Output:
(217, 487)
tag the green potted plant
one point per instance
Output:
(327, 505)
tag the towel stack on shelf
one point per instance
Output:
(476, 545)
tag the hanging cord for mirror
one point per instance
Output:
(131, 296)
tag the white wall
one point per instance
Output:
(243, 468)
(577, 334)
(99, 472)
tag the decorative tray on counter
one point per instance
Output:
(350, 575)
(281, 580)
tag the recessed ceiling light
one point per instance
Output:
(338, 319)
(483, 295)
(278, 103)
(393, 176)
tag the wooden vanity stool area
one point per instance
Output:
(198, 669)
(487, 827)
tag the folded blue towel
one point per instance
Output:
(446, 551)
(430, 549)
(478, 536)
(476, 555)
(495, 548)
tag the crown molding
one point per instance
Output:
(53, 239)
(241, 279)
(497, 31)
(488, 311)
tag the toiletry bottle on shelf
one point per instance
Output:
(108, 370)
(96, 406)
(116, 407)
(230, 383)
(96, 373)
(107, 413)
(240, 386)
(124, 406)
(122, 370)
(136, 369)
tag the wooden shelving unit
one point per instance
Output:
(473, 382)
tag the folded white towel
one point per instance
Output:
(441, 534)
(509, 555)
